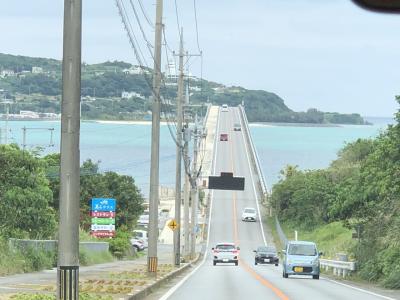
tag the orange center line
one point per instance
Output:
(243, 264)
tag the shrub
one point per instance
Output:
(120, 245)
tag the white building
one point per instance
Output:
(28, 114)
(135, 70)
(7, 73)
(37, 70)
(129, 95)
(195, 88)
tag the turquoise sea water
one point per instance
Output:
(125, 148)
(307, 147)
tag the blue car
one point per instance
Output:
(301, 258)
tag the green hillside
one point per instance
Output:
(104, 83)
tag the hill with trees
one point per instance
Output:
(35, 84)
(361, 191)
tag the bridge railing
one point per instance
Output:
(281, 234)
(253, 153)
(339, 268)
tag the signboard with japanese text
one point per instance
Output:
(101, 233)
(103, 204)
(103, 217)
(102, 214)
(95, 227)
(103, 221)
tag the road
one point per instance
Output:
(247, 280)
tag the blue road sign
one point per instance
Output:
(103, 204)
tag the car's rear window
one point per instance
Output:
(225, 247)
(266, 249)
(250, 210)
(301, 249)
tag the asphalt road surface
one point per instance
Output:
(247, 281)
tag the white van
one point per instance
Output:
(224, 107)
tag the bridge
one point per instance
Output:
(202, 280)
(247, 280)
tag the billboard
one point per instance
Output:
(226, 182)
(103, 217)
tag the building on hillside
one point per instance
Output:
(130, 95)
(219, 89)
(7, 73)
(195, 88)
(37, 70)
(135, 70)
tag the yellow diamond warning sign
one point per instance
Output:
(173, 225)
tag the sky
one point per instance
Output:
(324, 54)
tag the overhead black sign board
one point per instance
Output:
(226, 182)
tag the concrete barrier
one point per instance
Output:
(51, 245)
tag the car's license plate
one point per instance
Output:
(298, 269)
(266, 260)
(225, 260)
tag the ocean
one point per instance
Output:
(125, 147)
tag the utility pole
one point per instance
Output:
(7, 110)
(68, 236)
(152, 260)
(7, 116)
(193, 192)
(186, 193)
(24, 138)
(178, 180)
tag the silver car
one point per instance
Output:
(301, 258)
(225, 253)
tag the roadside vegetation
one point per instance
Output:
(358, 193)
(29, 192)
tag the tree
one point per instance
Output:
(24, 195)
(97, 185)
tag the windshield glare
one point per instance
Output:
(306, 250)
(225, 247)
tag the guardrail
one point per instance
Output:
(340, 268)
(254, 154)
(206, 115)
(281, 234)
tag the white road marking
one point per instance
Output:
(252, 181)
(358, 289)
(172, 290)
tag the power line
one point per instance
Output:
(177, 18)
(149, 45)
(145, 14)
(197, 29)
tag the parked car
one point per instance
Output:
(301, 258)
(140, 234)
(139, 245)
(249, 214)
(237, 127)
(143, 220)
(266, 255)
(225, 107)
(225, 253)
(223, 137)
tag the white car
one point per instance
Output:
(139, 245)
(140, 234)
(225, 253)
(249, 214)
(224, 107)
(143, 220)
